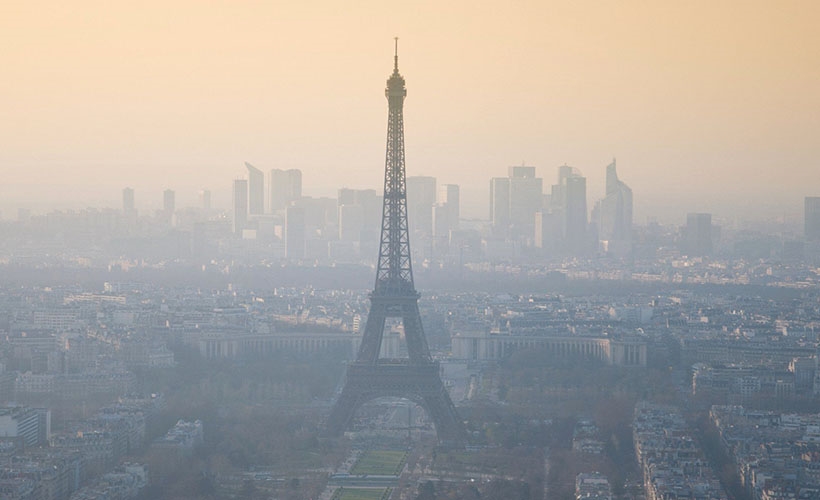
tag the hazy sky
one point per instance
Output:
(720, 98)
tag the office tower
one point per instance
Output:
(128, 200)
(285, 187)
(613, 214)
(421, 196)
(441, 221)
(256, 190)
(547, 230)
(698, 234)
(417, 377)
(369, 204)
(168, 202)
(575, 212)
(525, 199)
(500, 205)
(346, 196)
(449, 195)
(513, 202)
(351, 222)
(568, 200)
(319, 212)
(205, 199)
(240, 205)
(811, 221)
(294, 232)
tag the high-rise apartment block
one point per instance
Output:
(811, 221)
(256, 190)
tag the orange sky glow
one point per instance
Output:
(711, 106)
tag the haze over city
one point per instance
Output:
(580, 262)
(708, 106)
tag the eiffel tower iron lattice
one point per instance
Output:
(416, 377)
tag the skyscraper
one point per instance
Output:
(168, 201)
(500, 205)
(369, 204)
(613, 214)
(205, 199)
(569, 202)
(525, 199)
(240, 205)
(547, 230)
(351, 222)
(294, 232)
(285, 187)
(421, 196)
(128, 200)
(575, 213)
(811, 221)
(513, 202)
(698, 234)
(449, 195)
(256, 190)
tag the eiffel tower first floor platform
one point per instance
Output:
(419, 383)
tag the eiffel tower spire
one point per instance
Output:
(394, 295)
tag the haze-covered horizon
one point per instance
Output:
(707, 107)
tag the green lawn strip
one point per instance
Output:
(380, 462)
(361, 494)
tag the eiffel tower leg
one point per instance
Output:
(444, 416)
(373, 331)
(417, 348)
(343, 410)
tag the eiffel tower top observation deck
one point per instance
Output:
(394, 276)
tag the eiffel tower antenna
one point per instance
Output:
(394, 295)
(396, 56)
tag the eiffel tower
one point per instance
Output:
(416, 377)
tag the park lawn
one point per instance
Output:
(361, 494)
(380, 463)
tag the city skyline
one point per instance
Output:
(180, 101)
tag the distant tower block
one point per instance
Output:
(417, 377)
(285, 187)
(811, 216)
(240, 205)
(205, 199)
(168, 201)
(128, 200)
(698, 234)
(256, 190)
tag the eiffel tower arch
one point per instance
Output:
(416, 377)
